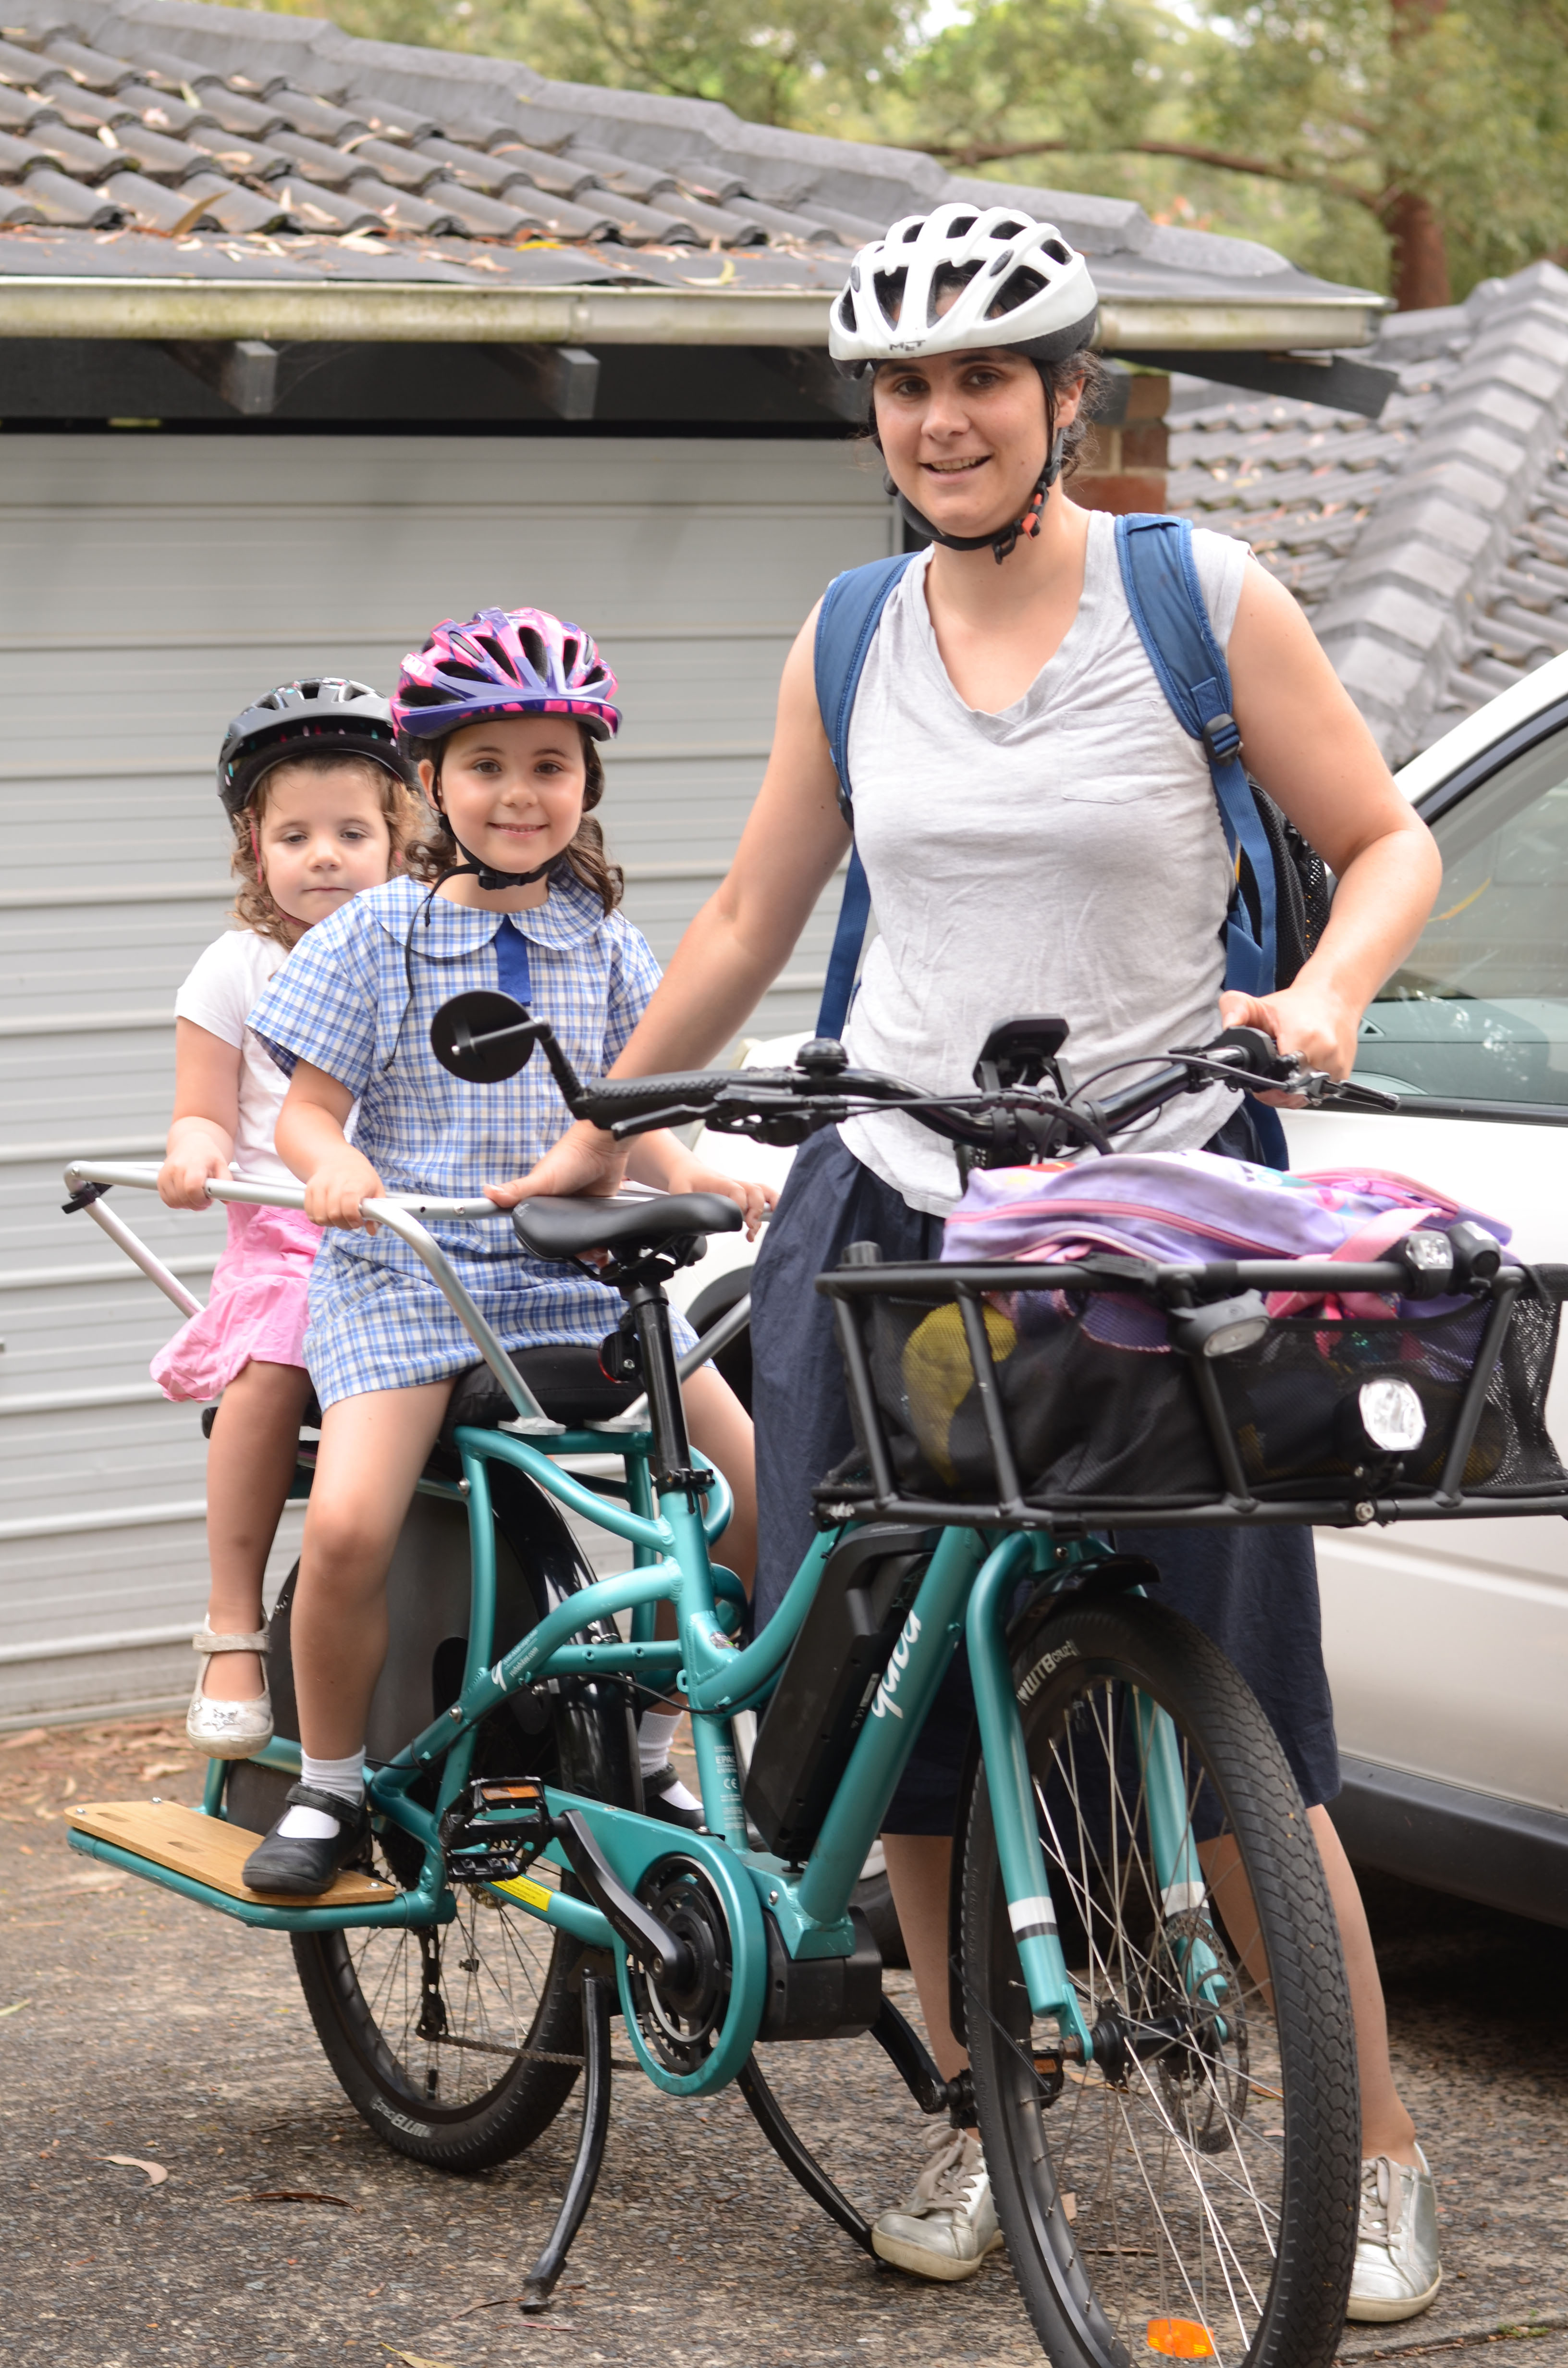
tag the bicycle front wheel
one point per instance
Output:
(1192, 2192)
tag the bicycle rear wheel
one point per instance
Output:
(442, 2038)
(1193, 2192)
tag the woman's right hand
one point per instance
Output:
(334, 1190)
(584, 1160)
(185, 1175)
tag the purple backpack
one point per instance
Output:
(1191, 1207)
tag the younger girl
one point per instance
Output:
(506, 712)
(321, 807)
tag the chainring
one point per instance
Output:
(681, 2027)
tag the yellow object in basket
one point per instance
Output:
(938, 1376)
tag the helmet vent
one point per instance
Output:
(962, 226)
(494, 652)
(1016, 292)
(534, 651)
(888, 288)
(1054, 248)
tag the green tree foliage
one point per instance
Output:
(800, 62)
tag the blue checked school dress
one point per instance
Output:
(342, 1002)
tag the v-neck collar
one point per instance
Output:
(1077, 650)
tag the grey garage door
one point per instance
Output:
(149, 588)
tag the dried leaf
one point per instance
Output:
(16, 2009)
(296, 2195)
(415, 2358)
(155, 2172)
(161, 1768)
(33, 1735)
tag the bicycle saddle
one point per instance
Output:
(556, 1228)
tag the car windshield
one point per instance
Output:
(1479, 1010)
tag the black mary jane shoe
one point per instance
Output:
(657, 1801)
(302, 1869)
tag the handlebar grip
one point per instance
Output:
(609, 1098)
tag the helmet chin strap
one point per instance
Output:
(486, 874)
(1002, 544)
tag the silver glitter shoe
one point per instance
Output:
(228, 1730)
(1397, 2272)
(948, 2225)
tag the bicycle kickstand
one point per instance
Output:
(540, 2285)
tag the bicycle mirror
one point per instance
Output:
(483, 1036)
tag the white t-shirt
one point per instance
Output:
(1064, 855)
(224, 986)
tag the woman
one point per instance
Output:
(1039, 835)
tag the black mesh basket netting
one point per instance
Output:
(1098, 1407)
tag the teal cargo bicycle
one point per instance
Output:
(1145, 1966)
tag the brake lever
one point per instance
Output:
(1353, 1097)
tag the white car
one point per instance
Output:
(1447, 1646)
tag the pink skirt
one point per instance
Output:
(258, 1311)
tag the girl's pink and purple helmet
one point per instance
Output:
(504, 662)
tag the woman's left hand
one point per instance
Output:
(756, 1201)
(1303, 1018)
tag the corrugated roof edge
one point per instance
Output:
(1398, 621)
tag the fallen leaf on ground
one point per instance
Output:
(296, 2195)
(33, 1735)
(493, 2304)
(155, 2172)
(161, 1768)
(415, 2359)
(16, 2009)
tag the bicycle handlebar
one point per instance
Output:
(484, 1037)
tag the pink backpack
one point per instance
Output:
(1193, 1207)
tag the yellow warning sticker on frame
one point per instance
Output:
(531, 1894)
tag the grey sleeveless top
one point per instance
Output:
(1062, 856)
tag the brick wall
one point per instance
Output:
(1126, 471)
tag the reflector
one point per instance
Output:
(1181, 2338)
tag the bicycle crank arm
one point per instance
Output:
(654, 1946)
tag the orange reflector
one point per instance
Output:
(1181, 2338)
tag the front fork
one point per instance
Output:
(1013, 1815)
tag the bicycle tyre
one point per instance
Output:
(412, 2055)
(1244, 2250)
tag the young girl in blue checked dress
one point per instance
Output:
(505, 713)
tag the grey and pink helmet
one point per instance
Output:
(504, 662)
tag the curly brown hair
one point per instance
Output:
(402, 809)
(436, 851)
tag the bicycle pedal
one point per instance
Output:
(498, 1833)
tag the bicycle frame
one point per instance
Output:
(965, 1593)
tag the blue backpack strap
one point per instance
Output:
(851, 610)
(1167, 605)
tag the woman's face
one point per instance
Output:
(513, 790)
(963, 435)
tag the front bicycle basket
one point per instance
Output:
(1001, 1389)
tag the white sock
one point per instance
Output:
(344, 1776)
(655, 1736)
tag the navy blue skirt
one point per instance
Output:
(1252, 1590)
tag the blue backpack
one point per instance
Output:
(1269, 931)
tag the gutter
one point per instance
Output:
(423, 312)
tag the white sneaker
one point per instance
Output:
(948, 2225)
(1397, 2272)
(228, 1730)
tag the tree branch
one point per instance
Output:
(1220, 159)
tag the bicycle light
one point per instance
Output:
(1428, 1258)
(1393, 1416)
(1222, 1327)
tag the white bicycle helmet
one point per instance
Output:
(1024, 286)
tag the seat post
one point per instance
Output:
(667, 1416)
